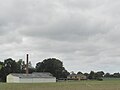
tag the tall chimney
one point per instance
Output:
(27, 58)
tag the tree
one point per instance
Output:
(30, 67)
(1, 65)
(9, 66)
(100, 74)
(96, 75)
(52, 65)
(107, 75)
(20, 66)
(79, 72)
(91, 75)
(86, 74)
(73, 73)
(116, 75)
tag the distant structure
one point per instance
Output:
(27, 60)
(42, 77)
(76, 77)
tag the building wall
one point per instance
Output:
(12, 79)
(25, 80)
(41, 80)
(79, 77)
(37, 80)
(83, 78)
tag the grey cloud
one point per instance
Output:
(83, 4)
(82, 33)
(10, 38)
(73, 28)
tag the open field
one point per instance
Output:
(78, 85)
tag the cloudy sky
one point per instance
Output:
(84, 34)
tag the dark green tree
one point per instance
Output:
(1, 65)
(54, 66)
(20, 66)
(100, 74)
(30, 67)
(91, 75)
(96, 75)
(86, 74)
(107, 75)
(116, 75)
(9, 66)
(79, 72)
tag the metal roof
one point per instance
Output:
(34, 75)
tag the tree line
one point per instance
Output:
(100, 75)
(52, 65)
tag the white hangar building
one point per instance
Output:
(42, 77)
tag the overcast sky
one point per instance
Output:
(84, 34)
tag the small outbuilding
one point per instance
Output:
(42, 77)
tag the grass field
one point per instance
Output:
(78, 85)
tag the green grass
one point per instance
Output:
(107, 84)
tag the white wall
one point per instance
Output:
(12, 79)
(37, 80)
(41, 80)
(25, 80)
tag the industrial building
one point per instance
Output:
(42, 77)
(36, 77)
